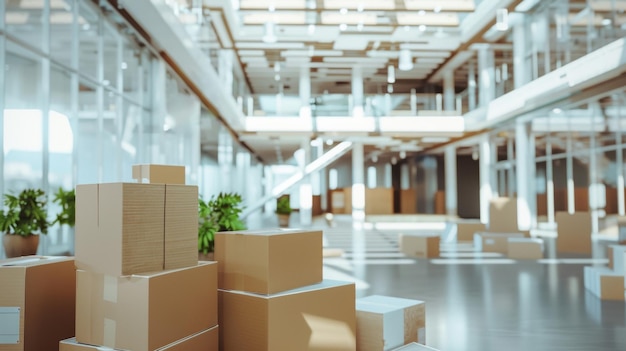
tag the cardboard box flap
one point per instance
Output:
(29, 261)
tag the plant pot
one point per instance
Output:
(206, 257)
(17, 245)
(283, 220)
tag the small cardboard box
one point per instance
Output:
(494, 242)
(120, 228)
(37, 301)
(206, 340)
(574, 232)
(617, 258)
(604, 283)
(384, 323)
(148, 311)
(163, 174)
(525, 248)
(466, 230)
(503, 215)
(314, 318)
(268, 262)
(415, 347)
(181, 226)
(420, 246)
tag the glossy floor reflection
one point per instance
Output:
(491, 304)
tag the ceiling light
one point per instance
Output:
(422, 28)
(329, 142)
(359, 27)
(374, 158)
(421, 12)
(277, 67)
(343, 11)
(277, 77)
(557, 110)
(271, 8)
(402, 154)
(502, 20)
(343, 27)
(394, 160)
(391, 74)
(437, 9)
(270, 33)
(606, 22)
(312, 4)
(360, 7)
(389, 88)
(311, 29)
(405, 60)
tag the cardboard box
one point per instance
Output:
(574, 232)
(120, 228)
(617, 258)
(37, 301)
(415, 347)
(466, 230)
(319, 317)
(148, 311)
(384, 323)
(163, 174)
(408, 201)
(270, 261)
(525, 248)
(494, 242)
(604, 283)
(420, 246)
(503, 215)
(377, 201)
(206, 340)
(181, 226)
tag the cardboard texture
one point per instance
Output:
(159, 174)
(503, 215)
(120, 228)
(466, 230)
(44, 290)
(574, 232)
(206, 340)
(270, 261)
(420, 246)
(336, 201)
(384, 323)
(378, 201)
(440, 202)
(415, 347)
(617, 258)
(604, 283)
(347, 193)
(494, 242)
(181, 226)
(525, 248)
(145, 312)
(320, 317)
(408, 201)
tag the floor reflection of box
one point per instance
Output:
(420, 246)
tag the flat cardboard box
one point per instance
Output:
(503, 215)
(181, 226)
(420, 246)
(574, 232)
(148, 311)
(466, 230)
(617, 258)
(384, 323)
(269, 261)
(37, 302)
(120, 228)
(159, 174)
(206, 340)
(415, 347)
(494, 242)
(604, 283)
(319, 317)
(525, 248)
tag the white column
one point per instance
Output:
(487, 71)
(358, 183)
(521, 67)
(451, 190)
(357, 91)
(449, 98)
(485, 183)
(225, 71)
(225, 155)
(305, 91)
(549, 181)
(471, 85)
(306, 191)
(524, 177)
(571, 207)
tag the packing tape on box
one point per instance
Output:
(110, 289)
(109, 332)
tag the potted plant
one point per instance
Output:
(67, 201)
(283, 210)
(219, 214)
(24, 219)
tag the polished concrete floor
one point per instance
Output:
(482, 303)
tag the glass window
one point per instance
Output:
(88, 134)
(131, 70)
(110, 139)
(24, 20)
(88, 41)
(61, 31)
(110, 58)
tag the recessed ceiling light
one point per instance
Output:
(421, 12)
(437, 9)
(359, 27)
(360, 7)
(343, 11)
(311, 29)
(272, 8)
(343, 27)
(422, 28)
(606, 22)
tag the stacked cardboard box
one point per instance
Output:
(609, 283)
(272, 295)
(419, 245)
(384, 323)
(139, 285)
(36, 302)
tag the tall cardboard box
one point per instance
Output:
(37, 300)
(420, 246)
(319, 317)
(206, 340)
(145, 312)
(384, 323)
(270, 261)
(574, 232)
(163, 174)
(525, 248)
(415, 347)
(181, 226)
(503, 215)
(120, 228)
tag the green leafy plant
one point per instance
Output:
(26, 213)
(219, 214)
(283, 206)
(67, 201)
